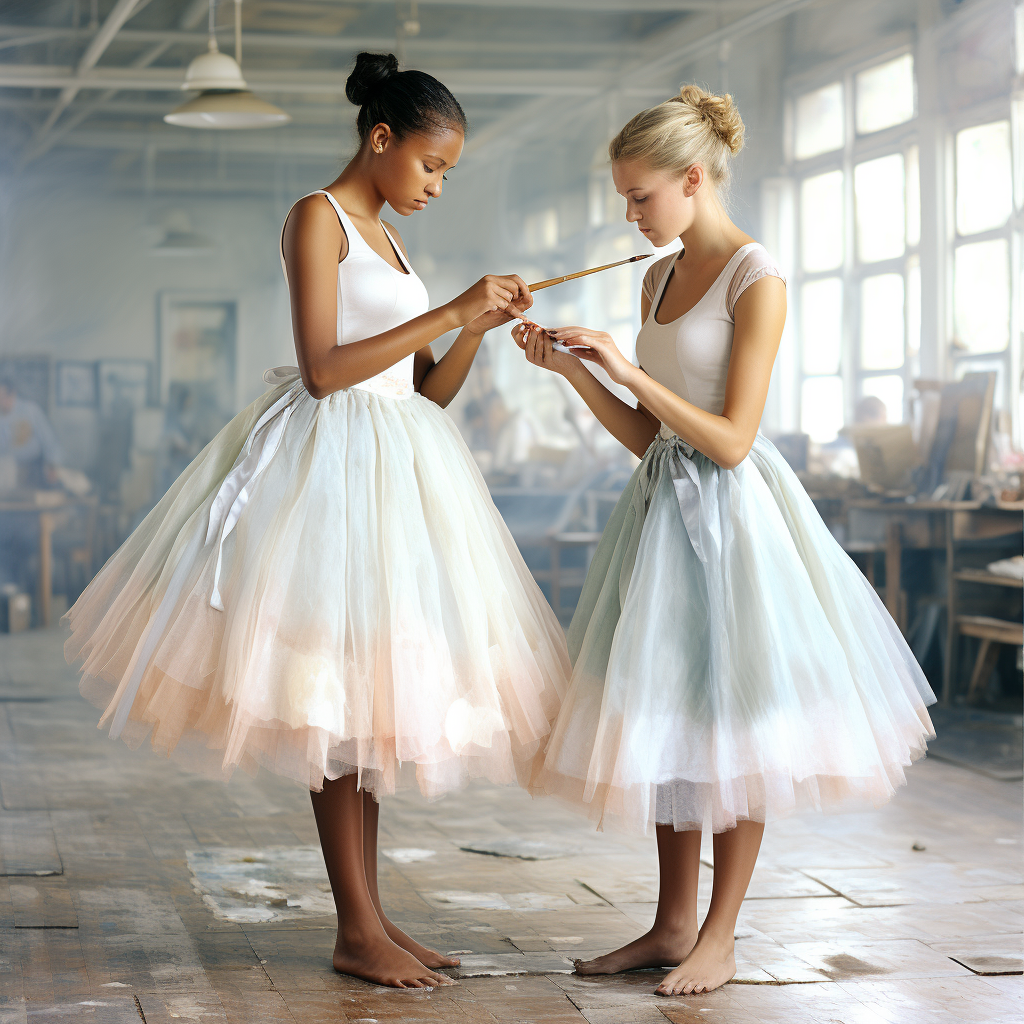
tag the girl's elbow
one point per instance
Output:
(315, 385)
(734, 455)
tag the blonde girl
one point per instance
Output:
(731, 665)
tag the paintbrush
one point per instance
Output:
(551, 281)
(559, 346)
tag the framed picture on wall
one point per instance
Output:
(76, 383)
(31, 377)
(124, 385)
(198, 352)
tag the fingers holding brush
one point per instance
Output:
(541, 350)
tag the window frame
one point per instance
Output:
(851, 272)
(1012, 231)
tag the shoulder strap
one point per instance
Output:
(656, 300)
(397, 248)
(355, 240)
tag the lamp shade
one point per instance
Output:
(213, 70)
(214, 108)
(223, 100)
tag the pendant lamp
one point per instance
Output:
(224, 101)
(180, 239)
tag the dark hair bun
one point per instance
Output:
(372, 70)
(406, 101)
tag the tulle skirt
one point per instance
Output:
(730, 661)
(327, 589)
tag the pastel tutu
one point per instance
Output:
(327, 589)
(730, 661)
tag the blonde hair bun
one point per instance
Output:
(718, 111)
(694, 127)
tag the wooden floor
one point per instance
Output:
(130, 890)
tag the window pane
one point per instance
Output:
(1017, 128)
(913, 173)
(878, 188)
(890, 390)
(819, 121)
(821, 221)
(821, 408)
(983, 184)
(606, 206)
(914, 311)
(981, 296)
(541, 230)
(881, 322)
(885, 95)
(821, 325)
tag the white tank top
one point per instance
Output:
(373, 297)
(690, 355)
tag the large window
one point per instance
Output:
(981, 254)
(855, 163)
(858, 273)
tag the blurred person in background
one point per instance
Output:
(29, 460)
(27, 439)
(870, 409)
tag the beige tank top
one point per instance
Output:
(690, 355)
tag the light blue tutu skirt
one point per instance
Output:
(730, 661)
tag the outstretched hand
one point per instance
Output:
(491, 302)
(538, 344)
(498, 317)
(595, 347)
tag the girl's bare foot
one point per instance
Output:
(427, 957)
(660, 947)
(710, 964)
(376, 958)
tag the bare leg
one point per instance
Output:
(711, 962)
(427, 957)
(675, 926)
(362, 947)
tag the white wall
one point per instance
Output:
(78, 280)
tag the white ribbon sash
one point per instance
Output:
(260, 447)
(261, 444)
(704, 530)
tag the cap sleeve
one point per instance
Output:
(755, 264)
(654, 274)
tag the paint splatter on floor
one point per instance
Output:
(274, 884)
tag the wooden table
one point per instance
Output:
(937, 525)
(51, 511)
(563, 577)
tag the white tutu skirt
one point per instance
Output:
(730, 661)
(327, 589)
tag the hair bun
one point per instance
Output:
(719, 112)
(372, 70)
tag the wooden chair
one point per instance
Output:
(75, 546)
(991, 631)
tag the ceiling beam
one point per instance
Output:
(679, 48)
(194, 13)
(8, 42)
(599, 6)
(157, 108)
(119, 14)
(14, 35)
(172, 140)
(481, 81)
(329, 114)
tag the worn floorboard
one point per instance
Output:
(131, 890)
